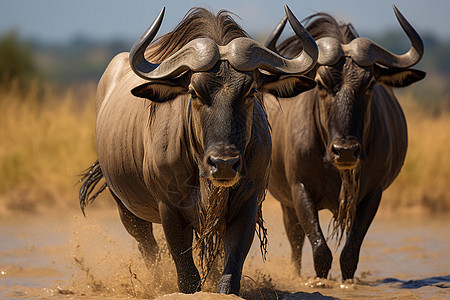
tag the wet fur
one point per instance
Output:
(343, 219)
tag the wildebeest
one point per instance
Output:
(341, 144)
(183, 138)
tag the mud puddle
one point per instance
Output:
(69, 256)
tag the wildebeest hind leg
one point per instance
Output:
(295, 234)
(309, 219)
(142, 231)
(365, 212)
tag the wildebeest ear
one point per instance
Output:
(397, 77)
(160, 90)
(286, 86)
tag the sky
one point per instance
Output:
(59, 21)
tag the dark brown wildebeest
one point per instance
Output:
(183, 138)
(340, 145)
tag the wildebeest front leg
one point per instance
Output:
(141, 230)
(309, 219)
(238, 239)
(295, 234)
(179, 236)
(365, 212)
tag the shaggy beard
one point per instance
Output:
(348, 196)
(212, 211)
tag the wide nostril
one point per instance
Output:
(235, 163)
(356, 150)
(216, 162)
(336, 149)
(212, 161)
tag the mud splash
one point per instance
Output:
(69, 256)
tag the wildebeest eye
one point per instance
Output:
(193, 94)
(320, 85)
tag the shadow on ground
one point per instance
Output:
(273, 294)
(437, 281)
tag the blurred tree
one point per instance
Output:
(16, 61)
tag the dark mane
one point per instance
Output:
(197, 23)
(319, 25)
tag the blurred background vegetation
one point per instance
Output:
(47, 94)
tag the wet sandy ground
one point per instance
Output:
(68, 256)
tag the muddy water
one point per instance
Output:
(68, 256)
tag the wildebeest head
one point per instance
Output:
(223, 73)
(348, 69)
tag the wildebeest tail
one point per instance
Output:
(90, 178)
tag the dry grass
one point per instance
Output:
(424, 181)
(47, 140)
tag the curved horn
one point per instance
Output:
(310, 51)
(366, 52)
(198, 55)
(275, 35)
(138, 63)
(247, 55)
